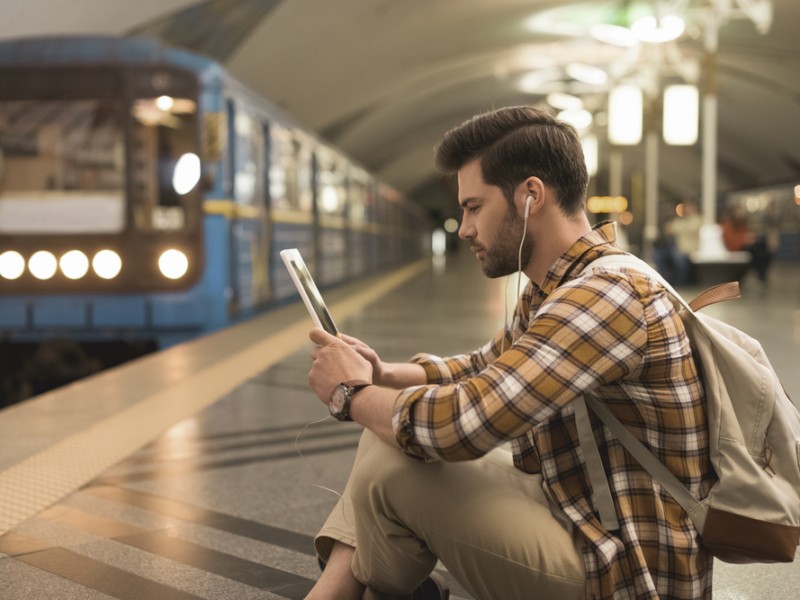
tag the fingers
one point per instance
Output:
(322, 338)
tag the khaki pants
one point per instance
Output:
(489, 523)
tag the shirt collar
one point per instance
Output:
(580, 254)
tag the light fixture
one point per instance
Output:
(74, 264)
(12, 265)
(625, 115)
(681, 111)
(165, 103)
(187, 173)
(42, 264)
(532, 82)
(330, 199)
(579, 118)
(590, 154)
(564, 101)
(107, 264)
(616, 35)
(451, 225)
(658, 30)
(173, 264)
(587, 73)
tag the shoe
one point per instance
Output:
(433, 588)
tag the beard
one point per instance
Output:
(502, 257)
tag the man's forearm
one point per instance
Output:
(402, 375)
(373, 407)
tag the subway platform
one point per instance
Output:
(204, 471)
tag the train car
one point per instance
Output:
(145, 195)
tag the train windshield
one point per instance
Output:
(62, 166)
(165, 166)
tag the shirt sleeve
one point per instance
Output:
(589, 332)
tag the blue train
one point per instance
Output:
(145, 195)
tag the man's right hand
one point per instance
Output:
(392, 375)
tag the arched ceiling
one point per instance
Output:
(383, 79)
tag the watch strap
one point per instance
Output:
(352, 388)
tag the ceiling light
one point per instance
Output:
(564, 101)
(587, 73)
(657, 31)
(580, 118)
(625, 115)
(616, 35)
(681, 111)
(590, 154)
(532, 83)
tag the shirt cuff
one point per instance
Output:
(403, 422)
(436, 370)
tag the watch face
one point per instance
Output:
(338, 399)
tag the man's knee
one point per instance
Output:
(377, 472)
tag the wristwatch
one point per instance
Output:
(342, 396)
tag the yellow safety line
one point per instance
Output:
(48, 476)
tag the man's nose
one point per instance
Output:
(465, 231)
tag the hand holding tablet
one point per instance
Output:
(308, 290)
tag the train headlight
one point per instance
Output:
(107, 264)
(74, 264)
(173, 264)
(12, 265)
(187, 173)
(42, 264)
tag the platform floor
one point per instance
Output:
(223, 501)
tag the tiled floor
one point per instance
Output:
(225, 503)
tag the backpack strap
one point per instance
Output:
(597, 477)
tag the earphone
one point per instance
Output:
(528, 201)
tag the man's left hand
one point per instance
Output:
(334, 361)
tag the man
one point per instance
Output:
(527, 530)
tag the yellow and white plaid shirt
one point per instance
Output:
(616, 335)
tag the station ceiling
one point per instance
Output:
(383, 79)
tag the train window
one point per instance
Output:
(248, 182)
(165, 167)
(64, 167)
(331, 183)
(358, 196)
(290, 171)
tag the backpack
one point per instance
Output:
(752, 513)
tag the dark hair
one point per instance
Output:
(515, 143)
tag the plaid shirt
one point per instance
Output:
(614, 334)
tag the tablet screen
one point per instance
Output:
(308, 290)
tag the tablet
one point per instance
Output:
(308, 290)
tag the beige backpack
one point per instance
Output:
(752, 513)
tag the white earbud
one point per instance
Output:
(528, 201)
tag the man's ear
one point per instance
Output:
(531, 194)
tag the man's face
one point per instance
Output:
(490, 224)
